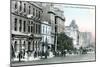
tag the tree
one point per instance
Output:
(64, 42)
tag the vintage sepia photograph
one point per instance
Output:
(51, 33)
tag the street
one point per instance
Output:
(71, 58)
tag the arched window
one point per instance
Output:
(33, 11)
(15, 24)
(29, 9)
(20, 8)
(20, 25)
(15, 5)
(24, 7)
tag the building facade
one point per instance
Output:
(46, 37)
(56, 19)
(85, 39)
(73, 32)
(25, 28)
(60, 20)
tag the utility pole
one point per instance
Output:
(55, 42)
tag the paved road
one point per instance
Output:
(75, 58)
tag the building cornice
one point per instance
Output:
(60, 18)
(34, 5)
(51, 12)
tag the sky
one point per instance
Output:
(83, 15)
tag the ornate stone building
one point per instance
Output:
(25, 28)
(73, 32)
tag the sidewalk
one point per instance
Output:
(31, 58)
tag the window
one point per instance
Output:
(31, 22)
(24, 26)
(28, 46)
(15, 45)
(15, 28)
(39, 14)
(33, 45)
(24, 7)
(33, 11)
(33, 27)
(20, 25)
(39, 29)
(15, 5)
(29, 27)
(36, 13)
(46, 29)
(43, 29)
(29, 9)
(20, 6)
(24, 45)
(36, 28)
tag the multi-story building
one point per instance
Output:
(54, 16)
(25, 27)
(73, 32)
(46, 36)
(85, 39)
(49, 16)
(59, 20)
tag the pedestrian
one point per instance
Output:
(35, 54)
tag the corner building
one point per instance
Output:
(25, 28)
